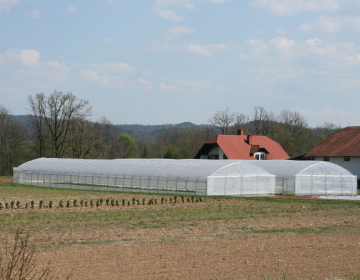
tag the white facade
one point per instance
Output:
(353, 165)
(214, 151)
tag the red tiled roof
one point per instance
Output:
(343, 143)
(236, 146)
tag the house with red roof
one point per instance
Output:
(341, 147)
(240, 146)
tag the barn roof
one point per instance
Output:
(343, 143)
(237, 147)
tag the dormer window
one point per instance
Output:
(260, 155)
(346, 158)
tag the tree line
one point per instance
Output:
(60, 127)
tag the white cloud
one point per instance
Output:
(326, 113)
(178, 30)
(6, 5)
(106, 39)
(161, 7)
(289, 7)
(113, 67)
(147, 84)
(194, 85)
(166, 88)
(167, 14)
(23, 69)
(207, 49)
(113, 1)
(70, 9)
(34, 14)
(221, 87)
(281, 50)
(332, 24)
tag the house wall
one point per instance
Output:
(353, 165)
(214, 151)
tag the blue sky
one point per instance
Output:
(170, 61)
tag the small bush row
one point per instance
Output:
(99, 202)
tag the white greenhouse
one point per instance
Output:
(188, 176)
(310, 177)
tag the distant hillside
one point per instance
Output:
(136, 131)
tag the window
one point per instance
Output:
(260, 155)
(225, 157)
(346, 158)
(326, 158)
(214, 156)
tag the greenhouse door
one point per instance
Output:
(289, 186)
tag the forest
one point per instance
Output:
(59, 126)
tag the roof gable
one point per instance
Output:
(343, 143)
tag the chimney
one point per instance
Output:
(249, 139)
(240, 131)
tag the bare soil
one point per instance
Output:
(314, 256)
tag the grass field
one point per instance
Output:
(219, 238)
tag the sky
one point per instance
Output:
(172, 61)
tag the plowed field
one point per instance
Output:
(220, 238)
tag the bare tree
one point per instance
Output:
(240, 121)
(222, 120)
(59, 112)
(263, 121)
(12, 140)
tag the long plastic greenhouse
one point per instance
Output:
(201, 177)
(310, 177)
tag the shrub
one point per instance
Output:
(151, 201)
(101, 201)
(50, 204)
(200, 199)
(155, 200)
(162, 200)
(26, 205)
(143, 201)
(68, 204)
(1, 207)
(197, 200)
(85, 203)
(81, 203)
(117, 203)
(61, 204)
(6, 205)
(12, 203)
(112, 202)
(182, 199)
(188, 199)
(19, 261)
(107, 202)
(165, 200)
(192, 199)
(170, 199)
(97, 203)
(32, 204)
(133, 201)
(128, 202)
(175, 199)
(75, 202)
(41, 204)
(18, 205)
(123, 202)
(91, 203)
(138, 202)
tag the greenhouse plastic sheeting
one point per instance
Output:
(310, 177)
(204, 177)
